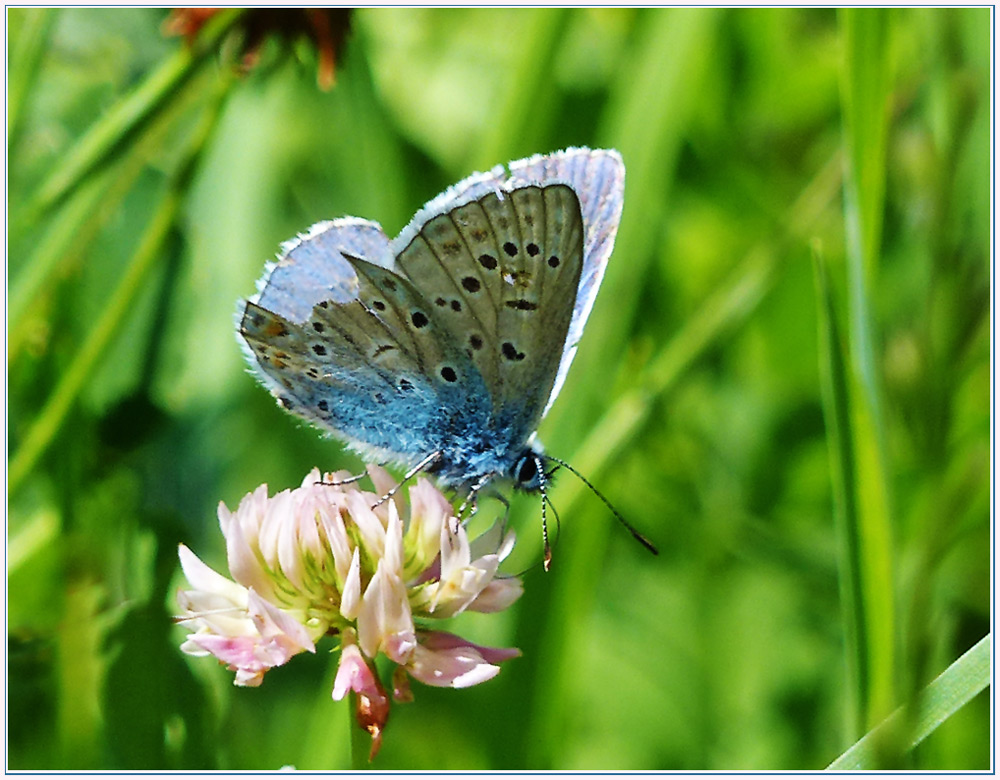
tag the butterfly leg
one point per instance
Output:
(345, 481)
(473, 498)
(470, 503)
(351, 479)
(408, 476)
(506, 509)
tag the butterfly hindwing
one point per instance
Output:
(330, 380)
(314, 268)
(375, 370)
(413, 319)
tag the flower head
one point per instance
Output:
(330, 559)
(324, 28)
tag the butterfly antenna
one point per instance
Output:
(552, 506)
(543, 487)
(628, 526)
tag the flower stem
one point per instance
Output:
(361, 743)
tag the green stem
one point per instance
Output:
(657, 88)
(834, 385)
(73, 230)
(721, 313)
(865, 92)
(52, 416)
(110, 135)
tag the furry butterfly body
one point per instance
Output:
(445, 347)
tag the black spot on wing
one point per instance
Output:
(510, 351)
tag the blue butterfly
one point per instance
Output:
(443, 349)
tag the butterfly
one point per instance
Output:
(442, 349)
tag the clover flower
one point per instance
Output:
(329, 559)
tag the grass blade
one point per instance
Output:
(645, 120)
(526, 105)
(74, 227)
(108, 137)
(27, 53)
(721, 313)
(947, 694)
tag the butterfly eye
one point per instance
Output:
(525, 471)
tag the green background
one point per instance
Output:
(812, 459)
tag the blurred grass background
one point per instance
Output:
(785, 381)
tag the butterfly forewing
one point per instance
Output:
(501, 274)
(598, 178)
(540, 273)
